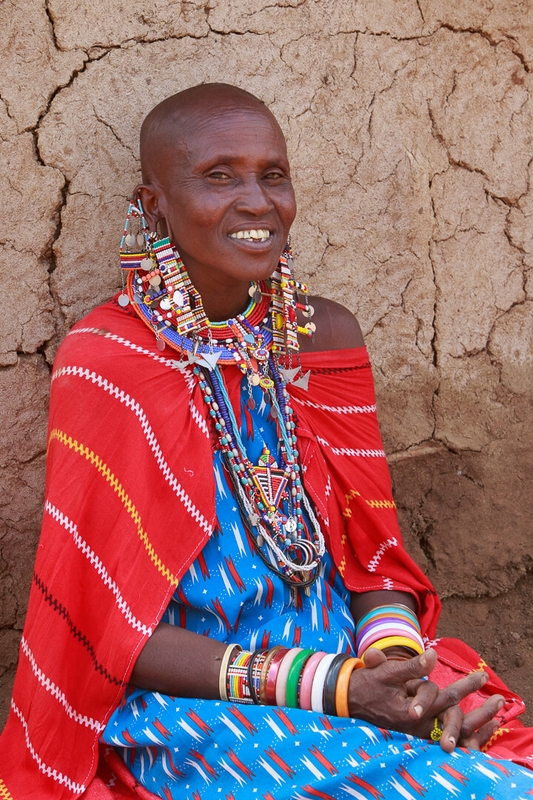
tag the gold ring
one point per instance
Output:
(436, 733)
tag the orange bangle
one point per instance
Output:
(343, 682)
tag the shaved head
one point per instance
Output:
(169, 124)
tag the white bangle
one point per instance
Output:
(319, 679)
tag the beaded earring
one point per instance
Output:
(157, 280)
(134, 245)
(181, 305)
(285, 327)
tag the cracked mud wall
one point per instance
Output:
(409, 125)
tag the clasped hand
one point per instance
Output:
(395, 695)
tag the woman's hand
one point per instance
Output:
(395, 694)
(480, 724)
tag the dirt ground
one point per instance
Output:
(501, 629)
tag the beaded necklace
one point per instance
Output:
(270, 496)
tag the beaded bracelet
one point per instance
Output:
(255, 667)
(237, 687)
(290, 677)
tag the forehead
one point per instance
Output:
(226, 134)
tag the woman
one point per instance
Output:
(221, 605)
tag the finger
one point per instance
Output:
(451, 731)
(452, 694)
(423, 698)
(478, 717)
(400, 672)
(374, 657)
(480, 737)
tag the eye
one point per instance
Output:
(219, 175)
(275, 175)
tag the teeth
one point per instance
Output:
(259, 235)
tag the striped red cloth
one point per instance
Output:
(130, 502)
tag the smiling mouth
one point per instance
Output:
(252, 235)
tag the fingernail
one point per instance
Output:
(501, 704)
(423, 659)
(485, 677)
(418, 710)
(451, 739)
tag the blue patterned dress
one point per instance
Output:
(190, 749)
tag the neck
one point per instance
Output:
(226, 304)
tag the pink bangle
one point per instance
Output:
(273, 670)
(380, 631)
(317, 691)
(307, 679)
(281, 681)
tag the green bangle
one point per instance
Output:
(330, 685)
(293, 678)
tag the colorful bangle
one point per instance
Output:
(237, 678)
(383, 631)
(343, 685)
(307, 679)
(330, 684)
(223, 674)
(398, 641)
(363, 630)
(385, 623)
(293, 678)
(264, 674)
(272, 677)
(317, 690)
(254, 673)
(281, 680)
(396, 610)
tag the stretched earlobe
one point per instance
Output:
(149, 197)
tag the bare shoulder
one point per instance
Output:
(336, 327)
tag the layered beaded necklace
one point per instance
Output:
(272, 501)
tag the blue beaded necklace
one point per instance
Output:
(271, 497)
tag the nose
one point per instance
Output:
(253, 197)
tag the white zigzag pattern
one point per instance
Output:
(56, 692)
(168, 362)
(197, 417)
(91, 556)
(347, 451)
(64, 780)
(337, 409)
(373, 563)
(120, 340)
(128, 401)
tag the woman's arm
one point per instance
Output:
(178, 662)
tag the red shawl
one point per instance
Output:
(130, 502)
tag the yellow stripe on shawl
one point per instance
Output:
(117, 487)
(381, 503)
(4, 793)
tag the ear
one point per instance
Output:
(150, 197)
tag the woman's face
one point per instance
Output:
(227, 198)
